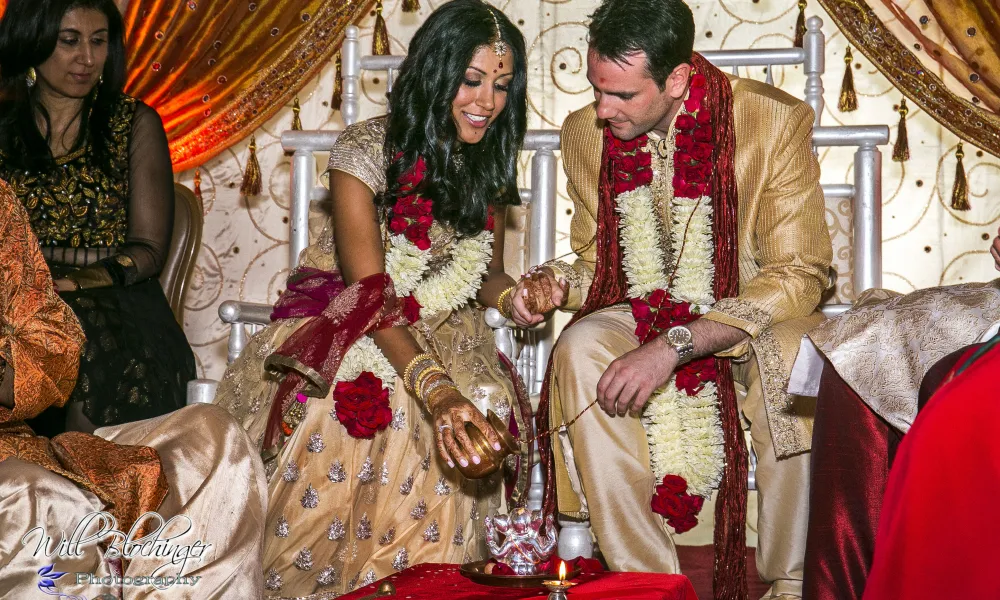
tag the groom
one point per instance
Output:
(719, 173)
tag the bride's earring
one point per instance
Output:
(31, 77)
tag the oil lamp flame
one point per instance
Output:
(562, 571)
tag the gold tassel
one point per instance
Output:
(848, 97)
(296, 119)
(197, 185)
(380, 37)
(960, 195)
(901, 149)
(800, 25)
(338, 87)
(251, 177)
(411, 5)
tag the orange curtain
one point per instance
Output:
(942, 54)
(216, 70)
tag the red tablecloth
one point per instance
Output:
(437, 581)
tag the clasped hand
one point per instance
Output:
(451, 412)
(631, 379)
(536, 294)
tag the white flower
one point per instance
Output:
(405, 264)
(364, 355)
(459, 281)
(639, 226)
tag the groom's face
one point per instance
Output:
(629, 100)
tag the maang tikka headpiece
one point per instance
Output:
(499, 46)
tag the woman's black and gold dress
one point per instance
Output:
(106, 224)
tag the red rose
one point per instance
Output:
(398, 224)
(703, 134)
(674, 484)
(697, 94)
(423, 205)
(701, 152)
(698, 80)
(684, 142)
(640, 309)
(681, 312)
(642, 176)
(685, 122)
(362, 405)
(694, 503)
(690, 190)
(693, 174)
(692, 106)
(627, 163)
(687, 381)
(668, 505)
(411, 308)
(682, 524)
(657, 297)
(662, 320)
(704, 117)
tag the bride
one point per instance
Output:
(359, 393)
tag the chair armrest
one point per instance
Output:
(201, 391)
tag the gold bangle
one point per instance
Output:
(502, 299)
(434, 389)
(425, 375)
(412, 365)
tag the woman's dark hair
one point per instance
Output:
(420, 121)
(29, 31)
(662, 29)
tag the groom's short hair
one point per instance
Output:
(662, 29)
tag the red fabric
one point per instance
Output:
(320, 344)
(852, 451)
(610, 287)
(939, 535)
(436, 581)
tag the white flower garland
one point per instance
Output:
(684, 432)
(447, 289)
(364, 355)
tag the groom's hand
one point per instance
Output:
(629, 381)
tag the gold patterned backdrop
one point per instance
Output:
(925, 243)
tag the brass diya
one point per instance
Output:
(490, 459)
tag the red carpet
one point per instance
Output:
(696, 563)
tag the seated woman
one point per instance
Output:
(880, 361)
(196, 465)
(92, 168)
(360, 397)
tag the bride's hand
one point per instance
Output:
(451, 411)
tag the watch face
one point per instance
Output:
(679, 336)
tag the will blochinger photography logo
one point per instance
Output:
(165, 553)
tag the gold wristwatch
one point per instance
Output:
(680, 338)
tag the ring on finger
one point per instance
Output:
(441, 428)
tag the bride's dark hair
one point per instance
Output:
(420, 121)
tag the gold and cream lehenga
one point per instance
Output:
(343, 511)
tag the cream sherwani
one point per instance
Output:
(603, 467)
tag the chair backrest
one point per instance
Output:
(189, 219)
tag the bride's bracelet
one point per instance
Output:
(416, 366)
(502, 302)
